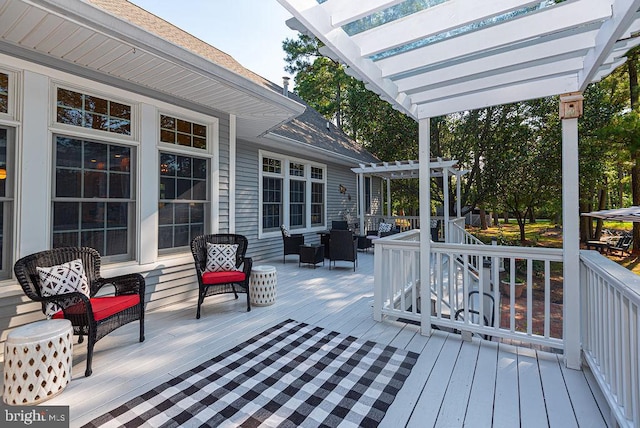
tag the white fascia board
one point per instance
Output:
(498, 96)
(538, 51)
(607, 69)
(623, 15)
(441, 18)
(559, 18)
(527, 73)
(343, 12)
(101, 21)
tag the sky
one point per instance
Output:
(251, 31)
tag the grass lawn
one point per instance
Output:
(545, 234)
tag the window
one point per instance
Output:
(93, 202)
(88, 111)
(295, 184)
(183, 199)
(6, 200)
(4, 93)
(367, 195)
(182, 132)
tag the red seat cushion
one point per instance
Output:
(103, 307)
(223, 277)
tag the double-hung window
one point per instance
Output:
(184, 201)
(293, 193)
(93, 186)
(7, 172)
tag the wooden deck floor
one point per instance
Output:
(454, 383)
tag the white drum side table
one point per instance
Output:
(37, 361)
(262, 285)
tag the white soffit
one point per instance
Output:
(433, 57)
(79, 38)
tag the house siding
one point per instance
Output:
(170, 278)
(247, 201)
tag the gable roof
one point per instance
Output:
(315, 131)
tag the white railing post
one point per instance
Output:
(378, 282)
(424, 138)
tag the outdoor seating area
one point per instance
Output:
(504, 383)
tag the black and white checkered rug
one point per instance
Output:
(292, 375)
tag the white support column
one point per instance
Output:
(363, 226)
(232, 173)
(458, 196)
(148, 179)
(388, 180)
(424, 137)
(445, 190)
(570, 109)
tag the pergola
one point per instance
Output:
(433, 57)
(411, 169)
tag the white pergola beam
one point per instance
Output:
(566, 16)
(520, 57)
(520, 75)
(442, 18)
(503, 95)
(624, 13)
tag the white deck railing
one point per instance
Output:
(609, 306)
(610, 302)
(397, 283)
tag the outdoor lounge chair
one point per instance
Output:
(90, 315)
(343, 246)
(623, 244)
(226, 272)
(291, 243)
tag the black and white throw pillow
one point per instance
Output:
(285, 231)
(384, 228)
(221, 257)
(61, 279)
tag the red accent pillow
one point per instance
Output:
(103, 307)
(222, 277)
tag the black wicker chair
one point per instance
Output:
(291, 243)
(92, 316)
(211, 283)
(343, 246)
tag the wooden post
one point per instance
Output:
(570, 111)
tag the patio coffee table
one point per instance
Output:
(311, 254)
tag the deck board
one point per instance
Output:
(454, 382)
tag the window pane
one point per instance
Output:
(165, 237)
(199, 168)
(165, 213)
(93, 215)
(183, 189)
(93, 239)
(116, 242)
(199, 190)
(168, 164)
(68, 152)
(197, 213)
(95, 156)
(184, 166)
(65, 216)
(181, 213)
(181, 236)
(117, 215)
(167, 188)
(66, 239)
(119, 185)
(95, 184)
(68, 183)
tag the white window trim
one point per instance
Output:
(286, 177)
(212, 221)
